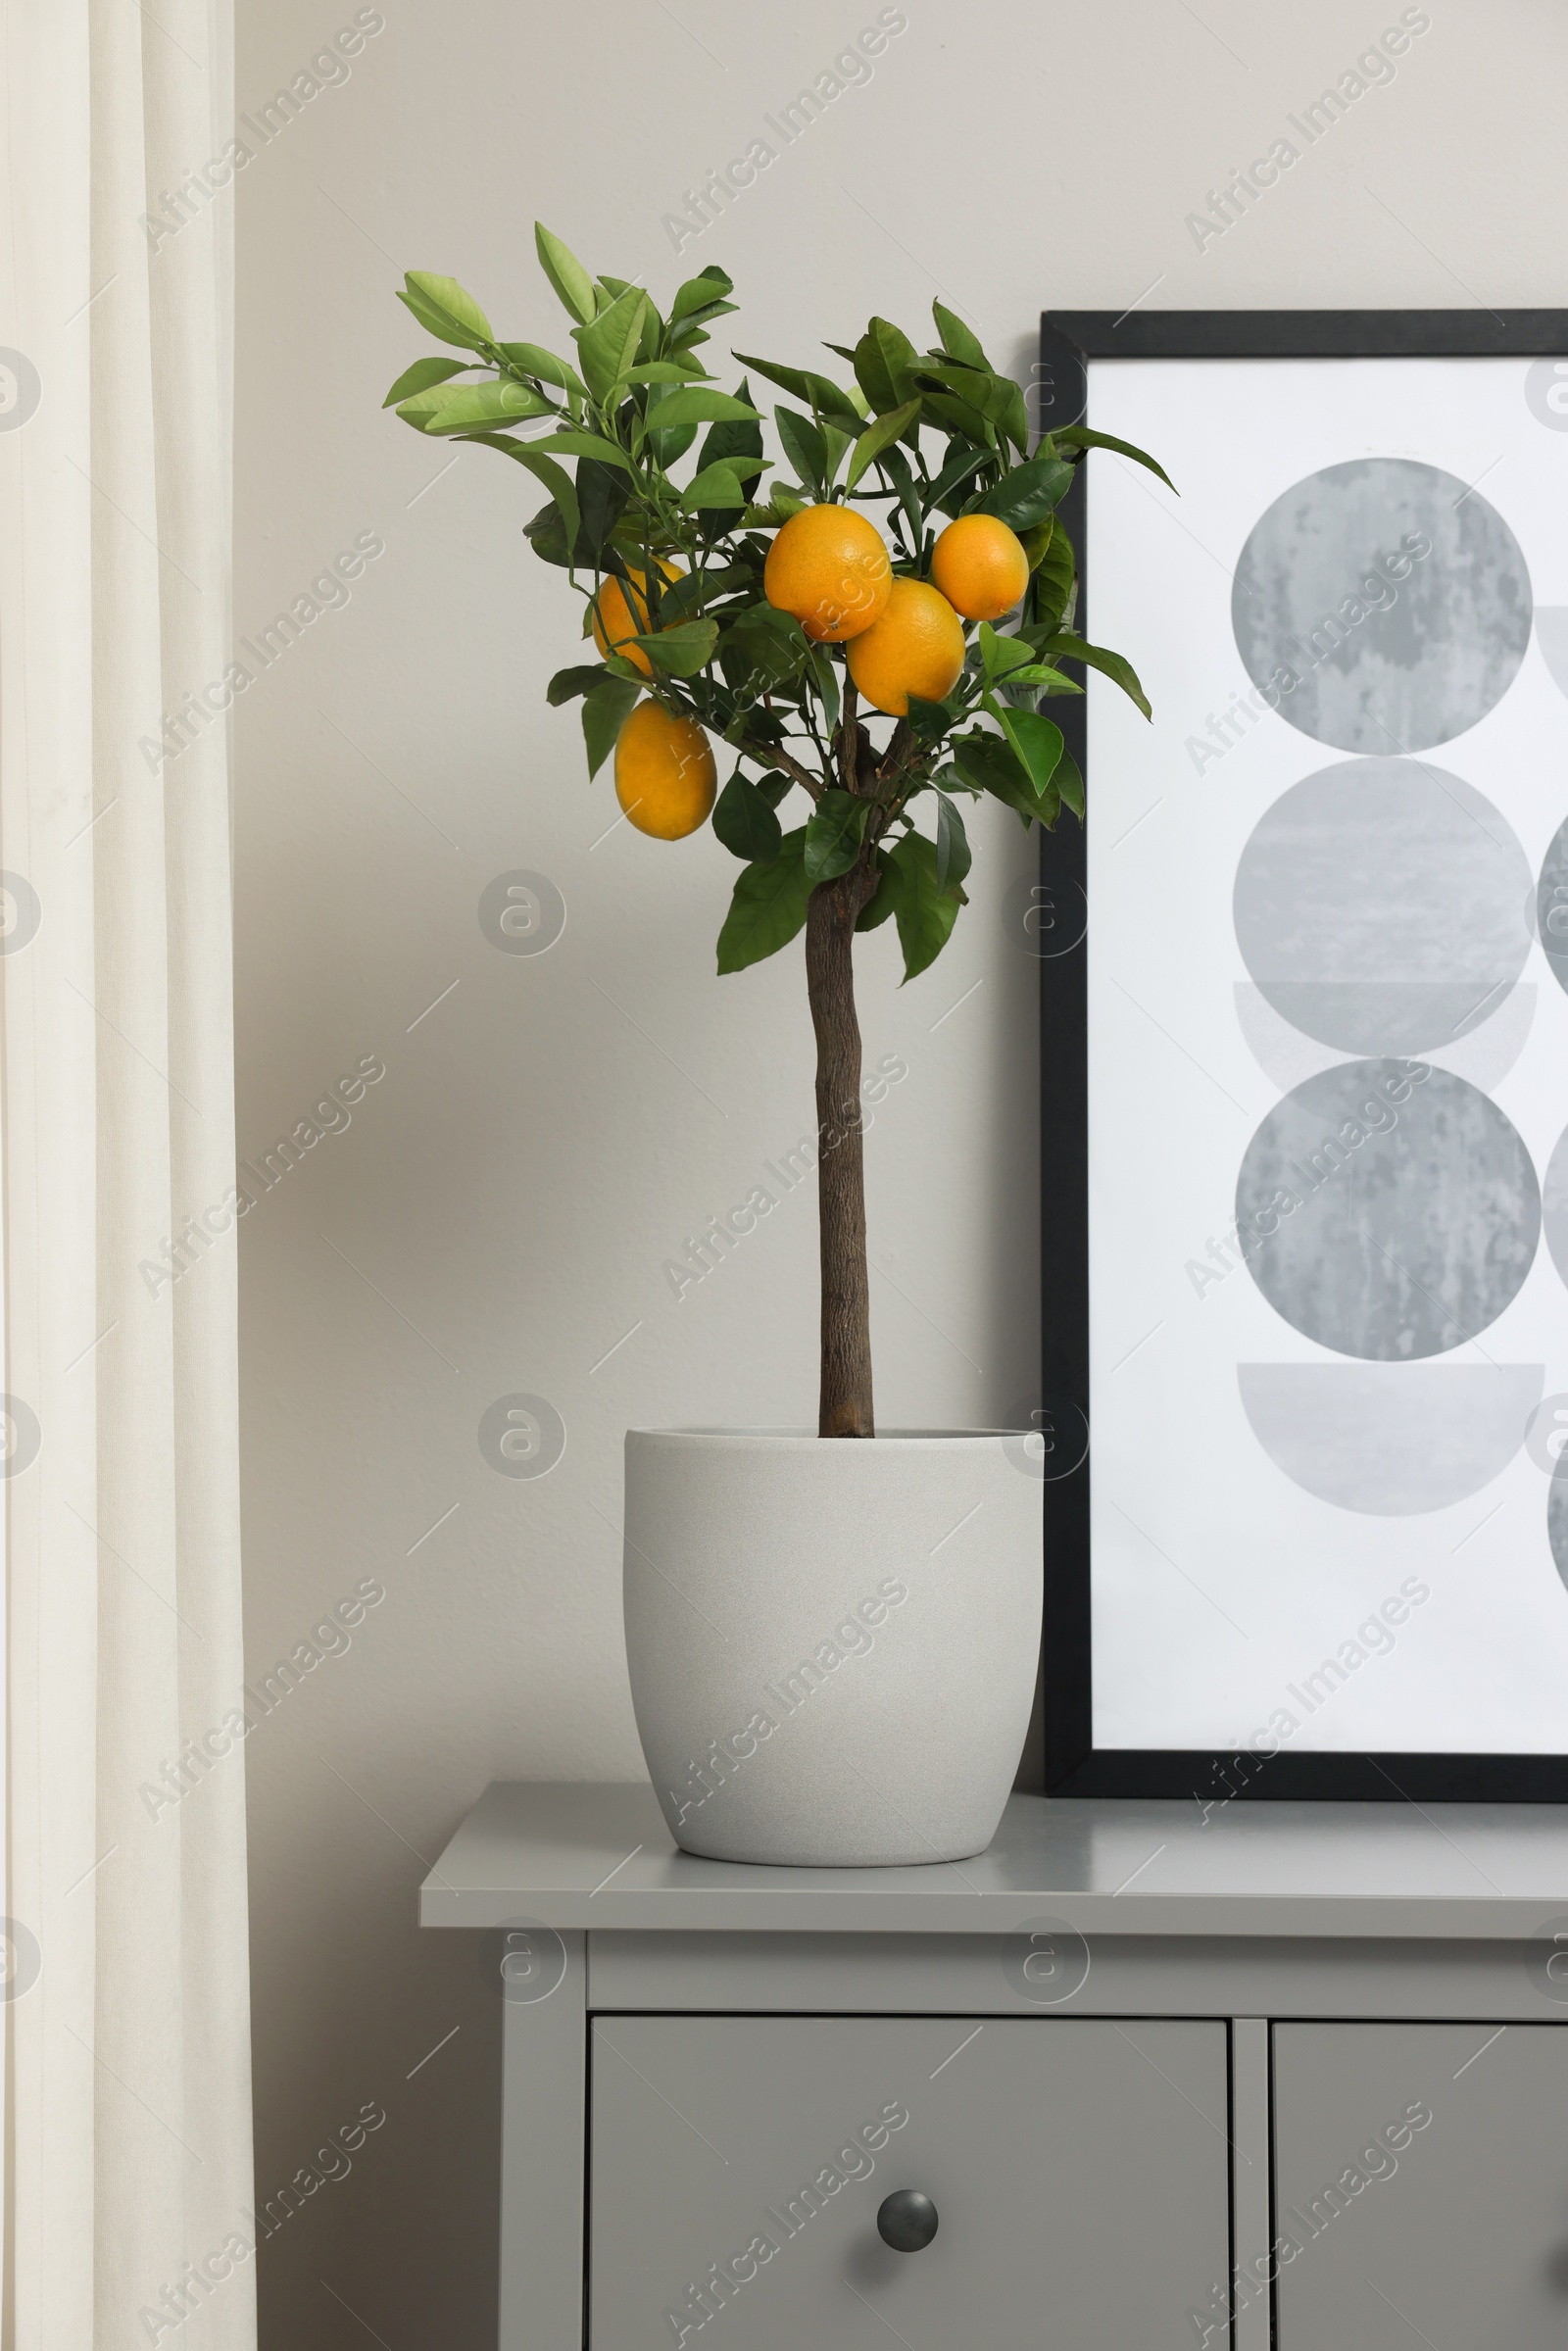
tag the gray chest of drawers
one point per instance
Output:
(1139, 2075)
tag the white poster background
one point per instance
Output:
(1219, 1584)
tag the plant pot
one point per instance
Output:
(832, 1643)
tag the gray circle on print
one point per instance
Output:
(1557, 1516)
(1554, 1205)
(1547, 393)
(1395, 598)
(522, 912)
(1552, 905)
(1382, 906)
(522, 1436)
(1401, 1207)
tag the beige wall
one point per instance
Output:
(496, 1217)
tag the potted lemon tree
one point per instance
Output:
(831, 1641)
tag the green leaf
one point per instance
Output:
(819, 663)
(740, 437)
(837, 446)
(873, 374)
(536, 361)
(442, 304)
(833, 835)
(679, 599)
(668, 371)
(953, 475)
(603, 713)
(1069, 783)
(584, 444)
(1037, 742)
(1078, 436)
(567, 684)
(951, 416)
(879, 436)
(884, 899)
(461, 408)
(990, 763)
(421, 375)
(768, 907)
(703, 404)
(1053, 569)
(717, 486)
(771, 646)
(700, 293)
(953, 844)
(895, 465)
(566, 272)
(1015, 417)
(1113, 666)
(929, 721)
(690, 331)
(898, 356)
(434, 322)
(608, 347)
(683, 649)
(1028, 493)
(557, 480)
(745, 822)
(956, 340)
(925, 911)
(804, 447)
(601, 495)
(817, 391)
(670, 447)
(1001, 655)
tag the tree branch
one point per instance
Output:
(767, 756)
(849, 735)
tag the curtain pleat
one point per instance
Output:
(126, 2159)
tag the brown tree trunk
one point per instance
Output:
(846, 1398)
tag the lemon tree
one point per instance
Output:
(666, 537)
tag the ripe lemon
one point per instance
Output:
(916, 648)
(980, 566)
(829, 568)
(665, 778)
(616, 618)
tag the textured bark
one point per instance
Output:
(844, 1408)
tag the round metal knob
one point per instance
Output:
(907, 2220)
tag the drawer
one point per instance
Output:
(1079, 2167)
(1422, 2177)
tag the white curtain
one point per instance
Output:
(126, 2148)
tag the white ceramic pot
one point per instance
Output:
(832, 1643)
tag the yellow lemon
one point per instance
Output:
(980, 566)
(829, 568)
(916, 648)
(665, 778)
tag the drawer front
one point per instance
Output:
(1079, 2169)
(1422, 2177)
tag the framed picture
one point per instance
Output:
(1305, 1041)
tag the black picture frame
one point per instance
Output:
(1070, 342)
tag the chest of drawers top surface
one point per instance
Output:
(578, 1856)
